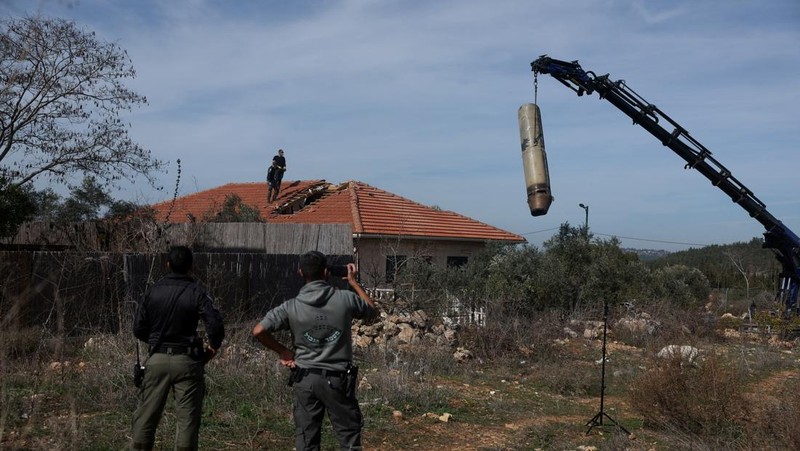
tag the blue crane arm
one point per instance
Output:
(784, 243)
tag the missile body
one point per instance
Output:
(534, 160)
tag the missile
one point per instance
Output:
(534, 160)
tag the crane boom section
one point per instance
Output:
(778, 237)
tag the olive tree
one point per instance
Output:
(62, 94)
(563, 281)
(683, 285)
(16, 205)
(235, 210)
(580, 271)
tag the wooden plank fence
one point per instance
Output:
(98, 292)
(248, 268)
(268, 238)
(330, 239)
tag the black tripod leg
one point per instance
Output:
(597, 420)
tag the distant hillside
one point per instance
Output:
(751, 253)
(724, 264)
(647, 255)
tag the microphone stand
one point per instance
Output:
(597, 420)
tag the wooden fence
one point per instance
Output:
(143, 236)
(248, 268)
(84, 293)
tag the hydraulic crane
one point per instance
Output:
(783, 242)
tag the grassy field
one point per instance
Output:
(530, 386)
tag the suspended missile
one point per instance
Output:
(534, 160)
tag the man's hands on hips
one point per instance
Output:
(287, 359)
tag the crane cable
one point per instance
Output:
(535, 88)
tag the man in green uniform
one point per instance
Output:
(167, 320)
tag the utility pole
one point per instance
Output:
(586, 221)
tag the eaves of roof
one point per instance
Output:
(372, 212)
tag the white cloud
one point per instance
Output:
(420, 98)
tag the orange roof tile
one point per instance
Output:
(370, 210)
(204, 205)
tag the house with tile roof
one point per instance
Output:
(387, 229)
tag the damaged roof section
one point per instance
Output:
(370, 211)
(203, 206)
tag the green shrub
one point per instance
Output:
(729, 322)
(682, 285)
(774, 323)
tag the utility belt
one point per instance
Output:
(177, 350)
(350, 376)
(302, 372)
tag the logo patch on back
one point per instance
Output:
(322, 334)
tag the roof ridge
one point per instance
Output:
(358, 227)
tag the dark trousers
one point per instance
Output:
(167, 373)
(274, 186)
(315, 394)
(274, 190)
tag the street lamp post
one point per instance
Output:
(586, 221)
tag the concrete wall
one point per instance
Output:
(371, 254)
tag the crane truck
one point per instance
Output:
(784, 243)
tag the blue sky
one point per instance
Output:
(420, 98)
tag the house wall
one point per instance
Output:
(371, 254)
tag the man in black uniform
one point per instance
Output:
(324, 378)
(167, 320)
(275, 175)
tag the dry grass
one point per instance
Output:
(529, 386)
(704, 399)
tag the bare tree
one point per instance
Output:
(736, 259)
(61, 94)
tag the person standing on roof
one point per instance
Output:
(321, 357)
(275, 175)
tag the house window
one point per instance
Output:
(394, 264)
(456, 262)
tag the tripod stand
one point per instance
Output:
(597, 420)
